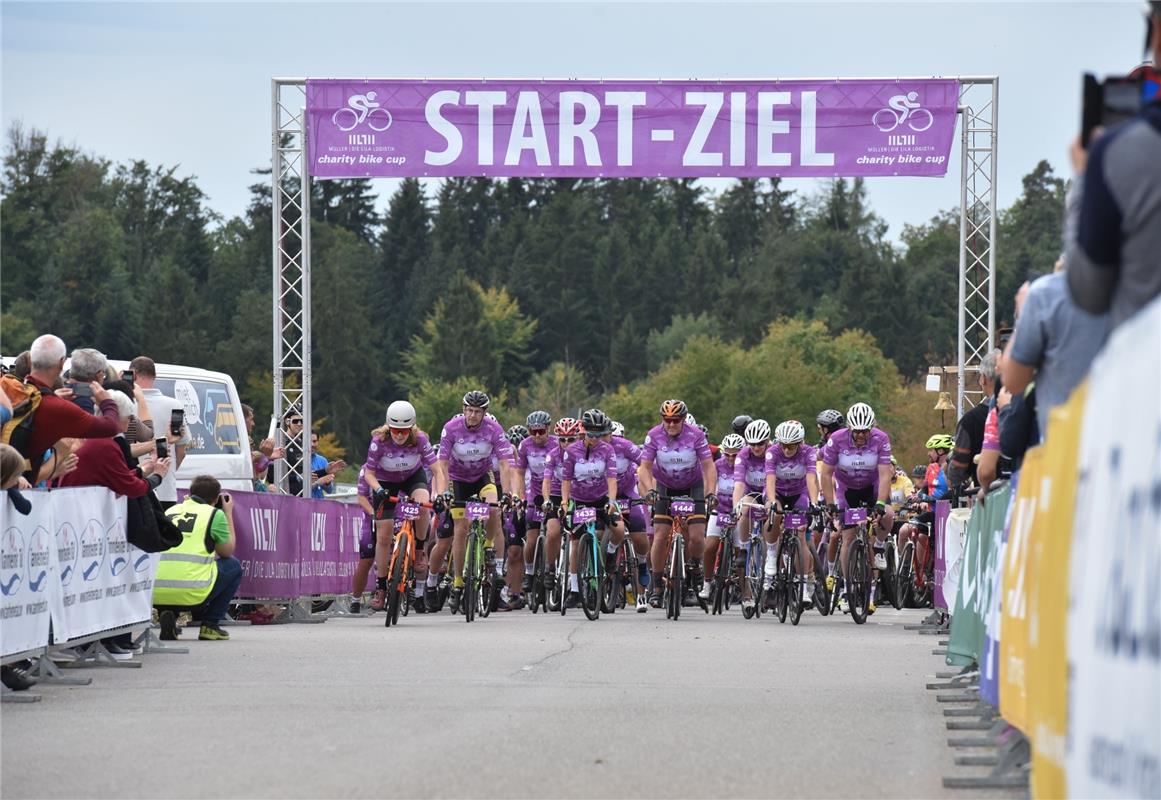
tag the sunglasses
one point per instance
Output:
(401, 431)
(672, 420)
(296, 422)
(594, 435)
(537, 431)
(567, 439)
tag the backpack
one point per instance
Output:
(25, 399)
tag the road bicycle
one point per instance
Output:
(913, 580)
(401, 570)
(674, 578)
(858, 583)
(822, 529)
(480, 583)
(590, 560)
(724, 577)
(790, 579)
(622, 579)
(538, 596)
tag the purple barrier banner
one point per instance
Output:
(938, 536)
(624, 129)
(291, 546)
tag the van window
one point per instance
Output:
(209, 415)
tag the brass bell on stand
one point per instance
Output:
(943, 405)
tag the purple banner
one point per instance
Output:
(939, 535)
(290, 547)
(623, 129)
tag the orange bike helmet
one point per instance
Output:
(673, 408)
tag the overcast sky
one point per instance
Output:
(188, 84)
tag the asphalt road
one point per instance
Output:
(514, 705)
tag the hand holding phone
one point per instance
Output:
(127, 375)
(176, 421)
(162, 447)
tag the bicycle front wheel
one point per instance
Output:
(588, 577)
(794, 588)
(859, 585)
(538, 598)
(561, 593)
(471, 582)
(676, 578)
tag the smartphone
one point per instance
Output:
(82, 390)
(127, 375)
(162, 448)
(1113, 100)
(176, 421)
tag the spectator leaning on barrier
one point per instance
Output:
(109, 463)
(190, 576)
(1054, 342)
(160, 408)
(969, 431)
(57, 418)
(1113, 212)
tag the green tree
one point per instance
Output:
(560, 389)
(1028, 236)
(437, 401)
(660, 346)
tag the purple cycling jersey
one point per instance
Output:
(554, 468)
(469, 451)
(790, 473)
(857, 467)
(676, 459)
(725, 487)
(393, 463)
(589, 469)
(628, 457)
(750, 470)
(531, 457)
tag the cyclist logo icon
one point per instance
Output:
(903, 109)
(362, 108)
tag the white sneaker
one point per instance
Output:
(748, 603)
(880, 560)
(843, 605)
(706, 588)
(642, 604)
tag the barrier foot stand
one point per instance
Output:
(981, 710)
(151, 644)
(983, 741)
(97, 656)
(48, 672)
(977, 761)
(23, 696)
(341, 608)
(967, 697)
(985, 782)
(299, 611)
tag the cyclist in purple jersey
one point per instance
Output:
(858, 458)
(628, 460)
(724, 491)
(675, 462)
(791, 483)
(396, 458)
(531, 456)
(466, 446)
(590, 479)
(568, 430)
(366, 545)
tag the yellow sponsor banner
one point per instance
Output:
(1016, 592)
(1051, 545)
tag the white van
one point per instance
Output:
(213, 415)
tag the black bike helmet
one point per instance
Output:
(830, 419)
(596, 421)
(539, 419)
(517, 434)
(476, 399)
(740, 422)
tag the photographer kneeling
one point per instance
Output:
(189, 576)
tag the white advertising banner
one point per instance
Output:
(957, 522)
(1114, 634)
(27, 575)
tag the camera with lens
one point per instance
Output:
(1115, 99)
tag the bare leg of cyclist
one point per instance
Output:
(551, 545)
(658, 554)
(359, 579)
(515, 573)
(773, 538)
(743, 548)
(459, 550)
(640, 542)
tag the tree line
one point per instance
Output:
(559, 293)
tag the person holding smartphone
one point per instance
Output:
(162, 410)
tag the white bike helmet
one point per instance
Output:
(732, 442)
(790, 432)
(401, 414)
(758, 432)
(689, 420)
(618, 429)
(860, 417)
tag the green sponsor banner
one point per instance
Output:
(977, 580)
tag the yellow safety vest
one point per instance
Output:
(187, 572)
